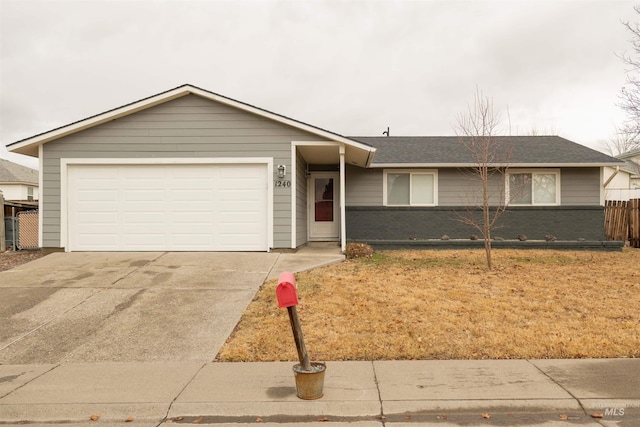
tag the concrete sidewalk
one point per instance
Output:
(391, 393)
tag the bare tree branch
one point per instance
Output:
(629, 96)
(478, 128)
(621, 142)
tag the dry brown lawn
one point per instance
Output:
(446, 305)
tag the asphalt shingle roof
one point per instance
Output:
(12, 172)
(629, 154)
(450, 150)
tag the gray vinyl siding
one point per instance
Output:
(301, 201)
(580, 186)
(363, 186)
(187, 127)
(456, 187)
(462, 187)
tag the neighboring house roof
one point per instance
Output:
(13, 173)
(632, 162)
(526, 151)
(29, 146)
(631, 167)
(629, 154)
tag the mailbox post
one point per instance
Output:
(288, 297)
(309, 376)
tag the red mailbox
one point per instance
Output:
(286, 290)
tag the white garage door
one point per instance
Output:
(167, 207)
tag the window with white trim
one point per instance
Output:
(533, 187)
(410, 188)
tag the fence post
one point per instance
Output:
(3, 244)
(634, 223)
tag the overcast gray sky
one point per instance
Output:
(352, 67)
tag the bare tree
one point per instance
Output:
(535, 131)
(477, 129)
(629, 98)
(620, 142)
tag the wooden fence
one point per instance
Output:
(622, 221)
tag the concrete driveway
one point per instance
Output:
(142, 306)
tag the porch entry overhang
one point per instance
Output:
(327, 153)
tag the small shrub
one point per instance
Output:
(358, 250)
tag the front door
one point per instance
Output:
(324, 212)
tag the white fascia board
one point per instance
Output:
(509, 165)
(165, 161)
(28, 184)
(25, 145)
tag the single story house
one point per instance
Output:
(632, 164)
(191, 170)
(17, 182)
(623, 182)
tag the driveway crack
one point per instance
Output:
(30, 381)
(271, 269)
(180, 393)
(375, 379)
(573, 396)
(136, 270)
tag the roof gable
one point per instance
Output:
(13, 173)
(530, 151)
(29, 146)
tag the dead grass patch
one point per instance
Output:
(446, 305)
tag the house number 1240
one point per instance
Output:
(282, 184)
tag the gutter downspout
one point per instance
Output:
(608, 181)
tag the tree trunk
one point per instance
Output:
(486, 220)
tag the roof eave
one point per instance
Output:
(29, 146)
(501, 165)
(31, 184)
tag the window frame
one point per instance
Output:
(533, 171)
(411, 173)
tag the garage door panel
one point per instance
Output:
(99, 218)
(144, 242)
(186, 240)
(103, 241)
(98, 195)
(143, 218)
(192, 195)
(142, 173)
(204, 216)
(204, 207)
(149, 195)
(238, 195)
